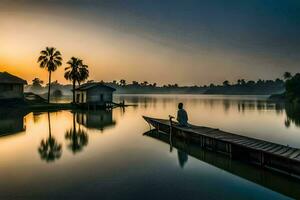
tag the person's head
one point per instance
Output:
(180, 105)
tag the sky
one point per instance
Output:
(191, 42)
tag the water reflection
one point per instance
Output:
(57, 139)
(241, 104)
(11, 121)
(276, 182)
(37, 116)
(182, 158)
(49, 149)
(98, 119)
(292, 111)
(78, 138)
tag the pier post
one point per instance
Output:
(170, 138)
(262, 159)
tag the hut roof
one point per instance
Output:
(8, 78)
(88, 86)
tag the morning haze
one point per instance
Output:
(149, 99)
(199, 42)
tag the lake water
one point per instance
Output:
(111, 154)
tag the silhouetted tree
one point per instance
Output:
(292, 88)
(226, 83)
(83, 74)
(123, 82)
(144, 83)
(50, 59)
(251, 83)
(37, 82)
(135, 83)
(287, 75)
(243, 82)
(76, 72)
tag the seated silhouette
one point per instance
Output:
(182, 116)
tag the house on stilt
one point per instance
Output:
(11, 87)
(94, 95)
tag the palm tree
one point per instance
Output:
(76, 72)
(49, 149)
(50, 59)
(83, 74)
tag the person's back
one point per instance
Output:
(182, 116)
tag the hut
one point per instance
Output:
(94, 94)
(11, 87)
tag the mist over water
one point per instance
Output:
(109, 154)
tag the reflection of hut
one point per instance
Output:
(96, 94)
(11, 122)
(99, 119)
(11, 87)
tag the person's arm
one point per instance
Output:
(177, 118)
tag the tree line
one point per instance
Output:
(292, 87)
(241, 86)
(77, 72)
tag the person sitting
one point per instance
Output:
(182, 116)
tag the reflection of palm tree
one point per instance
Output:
(49, 149)
(78, 138)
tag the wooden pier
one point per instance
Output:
(278, 182)
(266, 154)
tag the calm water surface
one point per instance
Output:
(111, 154)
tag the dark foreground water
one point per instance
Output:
(111, 154)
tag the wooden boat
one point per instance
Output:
(266, 154)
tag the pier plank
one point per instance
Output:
(270, 147)
(284, 150)
(289, 152)
(295, 154)
(275, 149)
(256, 144)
